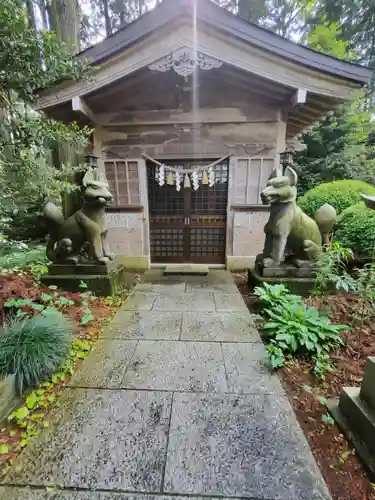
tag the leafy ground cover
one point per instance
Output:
(308, 394)
(22, 297)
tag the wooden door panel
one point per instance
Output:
(208, 219)
(188, 225)
(207, 242)
(168, 239)
(167, 235)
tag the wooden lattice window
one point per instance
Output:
(250, 177)
(123, 180)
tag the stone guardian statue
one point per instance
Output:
(288, 227)
(81, 237)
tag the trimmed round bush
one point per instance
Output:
(32, 349)
(355, 228)
(339, 194)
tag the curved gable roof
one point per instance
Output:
(210, 13)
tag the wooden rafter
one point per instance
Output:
(80, 106)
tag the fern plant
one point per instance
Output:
(331, 269)
(32, 349)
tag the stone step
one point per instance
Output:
(368, 384)
(357, 421)
(186, 270)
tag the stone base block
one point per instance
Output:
(239, 264)
(287, 270)
(300, 286)
(186, 270)
(368, 384)
(84, 269)
(103, 285)
(8, 397)
(357, 422)
(134, 263)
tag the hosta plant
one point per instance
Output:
(34, 348)
(275, 295)
(301, 331)
(292, 328)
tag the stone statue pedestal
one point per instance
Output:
(354, 413)
(299, 280)
(103, 280)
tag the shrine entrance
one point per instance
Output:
(188, 226)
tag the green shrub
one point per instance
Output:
(27, 223)
(296, 329)
(339, 194)
(355, 229)
(34, 348)
(20, 255)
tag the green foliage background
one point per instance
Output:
(355, 229)
(30, 60)
(340, 194)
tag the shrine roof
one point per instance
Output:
(210, 13)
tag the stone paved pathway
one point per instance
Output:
(176, 401)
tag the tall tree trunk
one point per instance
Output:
(65, 20)
(108, 27)
(251, 10)
(122, 18)
(31, 13)
(45, 15)
(66, 23)
(141, 7)
(244, 9)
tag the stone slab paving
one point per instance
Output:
(161, 287)
(176, 402)
(140, 301)
(194, 301)
(211, 287)
(177, 366)
(218, 327)
(246, 446)
(230, 302)
(106, 365)
(38, 494)
(248, 370)
(101, 439)
(145, 325)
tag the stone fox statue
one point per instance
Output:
(290, 228)
(81, 236)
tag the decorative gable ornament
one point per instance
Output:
(184, 61)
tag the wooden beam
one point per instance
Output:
(253, 82)
(79, 106)
(121, 87)
(299, 97)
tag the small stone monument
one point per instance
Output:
(293, 240)
(354, 412)
(76, 245)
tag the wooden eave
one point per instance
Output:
(212, 14)
(249, 54)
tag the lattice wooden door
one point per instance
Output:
(188, 225)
